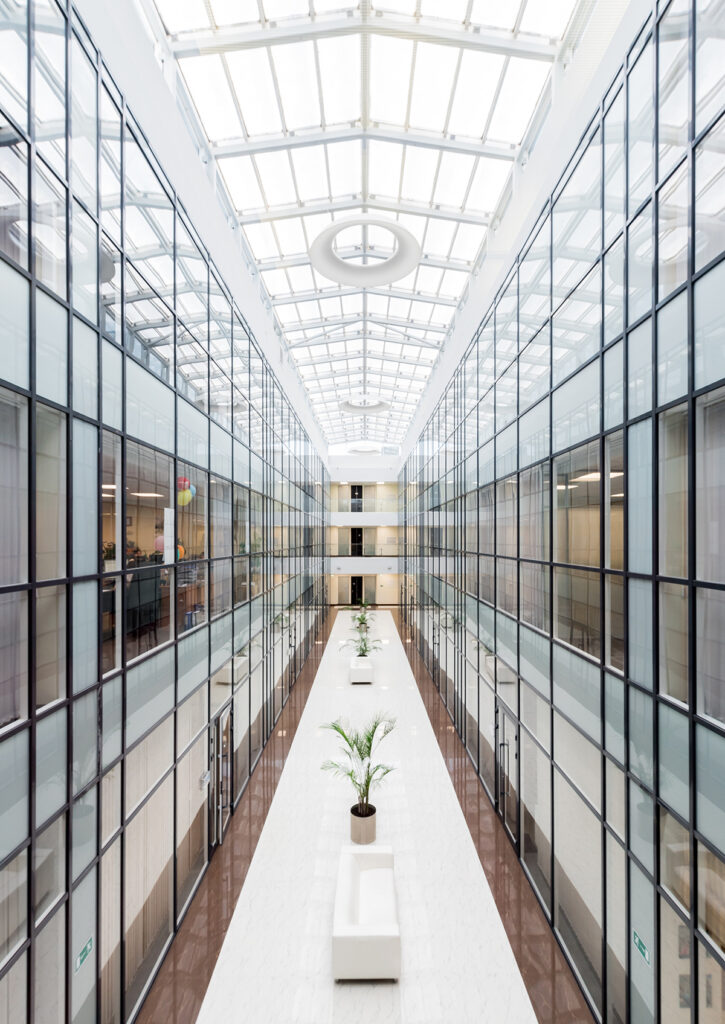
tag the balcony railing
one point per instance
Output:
(375, 505)
(344, 549)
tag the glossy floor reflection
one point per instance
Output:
(552, 988)
(178, 991)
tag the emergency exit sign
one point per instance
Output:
(639, 945)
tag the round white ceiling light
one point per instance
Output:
(369, 275)
(365, 449)
(364, 406)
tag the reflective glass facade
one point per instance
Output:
(564, 524)
(162, 516)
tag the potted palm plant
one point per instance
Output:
(357, 766)
(361, 666)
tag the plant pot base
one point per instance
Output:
(361, 670)
(362, 830)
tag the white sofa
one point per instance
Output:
(362, 670)
(365, 932)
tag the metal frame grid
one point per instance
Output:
(435, 485)
(292, 480)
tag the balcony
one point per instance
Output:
(378, 506)
(343, 548)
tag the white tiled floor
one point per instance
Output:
(275, 964)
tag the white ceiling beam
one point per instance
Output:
(353, 318)
(507, 44)
(339, 293)
(376, 133)
(363, 205)
(331, 339)
(303, 260)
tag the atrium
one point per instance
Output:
(362, 384)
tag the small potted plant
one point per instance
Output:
(361, 666)
(358, 750)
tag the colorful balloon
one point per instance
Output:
(184, 497)
(180, 551)
(159, 542)
(193, 490)
(182, 483)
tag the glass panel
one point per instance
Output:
(675, 992)
(640, 632)
(110, 948)
(709, 197)
(191, 491)
(147, 762)
(709, 63)
(14, 76)
(675, 858)
(148, 888)
(49, 866)
(13, 191)
(149, 510)
(50, 492)
(673, 232)
(641, 128)
(85, 746)
(85, 498)
(50, 645)
(85, 369)
(578, 883)
(639, 368)
(83, 934)
(672, 350)
(674, 758)
(639, 491)
(576, 408)
(710, 486)
(673, 631)
(614, 169)
(673, 73)
(192, 818)
(577, 507)
(84, 116)
(50, 765)
(49, 83)
(709, 773)
(13, 491)
(50, 971)
(641, 740)
(710, 659)
(709, 327)
(14, 903)
(536, 814)
(51, 331)
(639, 273)
(711, 895)
(579, 759)
(84, 825)
(14, 324)
(50, 231)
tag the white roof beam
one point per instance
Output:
(357, 202)
(508, 44)
(338, 293)
(324, 339)
(376, 133)
(303, 260)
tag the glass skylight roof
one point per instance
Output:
(322, 111)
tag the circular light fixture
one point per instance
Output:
(362, 405)
(365, 448)
(370, 275)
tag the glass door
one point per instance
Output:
(508, 771)
(220, 791)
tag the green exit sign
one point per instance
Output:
(640, 945)
(83, 956)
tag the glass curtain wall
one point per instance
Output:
(564, 524)
(162, 517)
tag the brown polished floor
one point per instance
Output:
(178, 991)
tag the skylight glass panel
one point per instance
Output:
(453, 283)
(451, 10)
(275, 281)
(310, 172)
(300, 278)
(521, 89)
(344, 161)
(212, 97)
(290, 236)
(438, 236)
(384, 160)
(419, 173)
(429, 279)
(261, 241)
(435, 67)
(241, 180)
(234, 12)
(487, 185)
(495, 14)
(183, 15)
(285, 8)
(275, 175)
(381, 238)
(251, 76)
(454, 174)
(547, 17)
(297, 80)
(476, 84)
(390, 64)
(467, 242)
(396, 6)
(340, 76)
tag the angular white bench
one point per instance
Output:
(365, 931)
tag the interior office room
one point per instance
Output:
(362, 373)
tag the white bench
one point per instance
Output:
(365, 932)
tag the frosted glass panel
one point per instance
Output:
(14, 326)
(112, 368)
(149, 408)
(672, 350)
(710, 327)
(639, 489)
(85, 369)
(14, 782)
(85, 635)
(51, 331)
(85, 498)
(575, 409)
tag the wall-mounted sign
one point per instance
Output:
(83, 956)
(640, 946)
